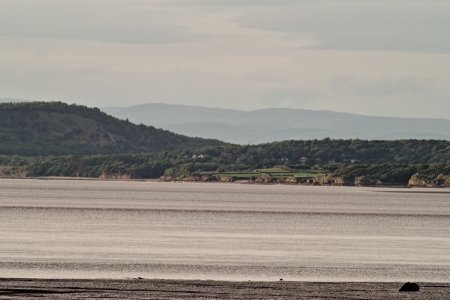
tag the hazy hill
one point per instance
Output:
(276, 124)
(43, 128)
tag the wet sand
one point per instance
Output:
(192, 289)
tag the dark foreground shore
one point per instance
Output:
(193, 289)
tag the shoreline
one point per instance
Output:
(209, 289)
(249, 182)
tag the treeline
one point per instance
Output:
(426, 170)
(334, 151)
(135, 166)
(55, 128)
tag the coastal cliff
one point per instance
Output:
(418, 180)
(361, 181)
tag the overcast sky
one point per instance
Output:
(380, 57)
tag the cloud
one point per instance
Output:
(403, 25)
(230, 53)
(102, 21)
(408, 26)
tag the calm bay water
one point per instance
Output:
(109, 229)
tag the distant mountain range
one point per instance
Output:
(277, 124)
(55, 128)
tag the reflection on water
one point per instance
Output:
(100, 229)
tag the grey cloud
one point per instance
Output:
(103, 21)
(237, 66)
(409, 26)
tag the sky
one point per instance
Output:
(379, 57)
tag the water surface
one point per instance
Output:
(113, 229)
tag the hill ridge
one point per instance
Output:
(277, 124)
(56, 128)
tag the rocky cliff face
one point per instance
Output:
(107, 176)
(329, 180)
(447, 182)
(418, 180)
(367, 181)
(8, 172)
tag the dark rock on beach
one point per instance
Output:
(409, 287)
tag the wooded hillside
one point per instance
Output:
(55, 128)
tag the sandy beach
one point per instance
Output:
(178, 289)
(325, 242)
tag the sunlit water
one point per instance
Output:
(108, 229)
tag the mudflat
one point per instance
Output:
(196, 289)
